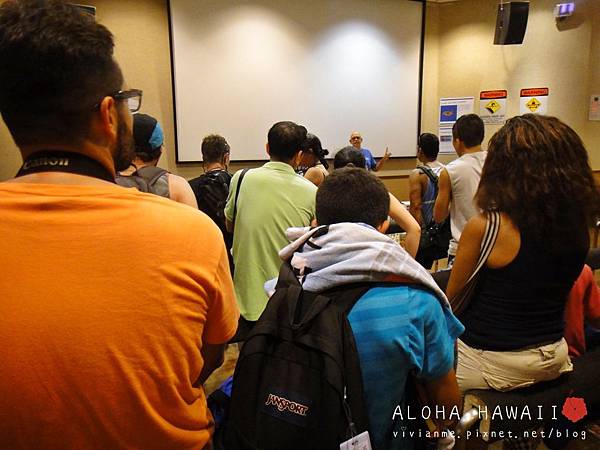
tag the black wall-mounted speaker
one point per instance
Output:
(511, 23)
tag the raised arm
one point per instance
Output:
(408, 223)
(441, 208)
(383, 160)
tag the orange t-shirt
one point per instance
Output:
(106, 298)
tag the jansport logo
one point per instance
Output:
(283, 404)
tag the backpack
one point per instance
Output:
(435, 237)
(211, 191)
(297, 383)
(147, 179)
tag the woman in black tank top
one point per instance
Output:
(538, 177)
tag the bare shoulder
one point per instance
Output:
(181, 191)
(476, 225)
(176, 179)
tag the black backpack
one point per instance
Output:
(435, 237)
(211, 190)
(147, 179)
(297, 383)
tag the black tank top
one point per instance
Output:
(522, 304)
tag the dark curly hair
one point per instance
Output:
(537, 172)
(214, 148)
(56, 63)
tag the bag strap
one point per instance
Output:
(237, 192)
(461, 300)
(150, 173)
(492, 226)
(432, 176)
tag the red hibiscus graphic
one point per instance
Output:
(574, 409)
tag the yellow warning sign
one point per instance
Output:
(493, 106)
(533, 104)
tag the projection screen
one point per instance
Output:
(332, 66)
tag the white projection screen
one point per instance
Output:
(332, 66)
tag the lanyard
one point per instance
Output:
(61, 161)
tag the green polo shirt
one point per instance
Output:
(272, 198)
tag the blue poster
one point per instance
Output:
(448, 113)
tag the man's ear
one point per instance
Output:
(108, 119)
(297, 159)
(268, 149)
(383, 227)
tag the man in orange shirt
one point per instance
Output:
(105, 340)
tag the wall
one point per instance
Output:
(559, 56)
(141, 35)
(459, 60)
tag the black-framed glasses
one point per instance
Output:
(132, 96)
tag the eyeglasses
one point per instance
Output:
(133, 97)
(355, 138)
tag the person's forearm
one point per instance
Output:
(411, 243)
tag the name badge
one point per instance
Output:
(360, 442)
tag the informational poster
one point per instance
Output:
(594, 107)
(534, 100)
(450, 110)
(492, 106)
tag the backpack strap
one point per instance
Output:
(432, 176)
(237, 192)
(150, 173)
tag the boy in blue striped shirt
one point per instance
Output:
(398, 329)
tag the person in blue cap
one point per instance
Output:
(143, 172)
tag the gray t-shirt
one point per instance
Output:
(465, 173)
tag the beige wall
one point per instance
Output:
(561, 56)
(459, 60)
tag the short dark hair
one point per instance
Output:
(349, 155)
(214, 148)
(352, 194)
(429, 145)
(469, 129)
(285, 140)
(56, 64)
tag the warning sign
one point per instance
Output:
(533, 104)
(492, 106)
(534, 100)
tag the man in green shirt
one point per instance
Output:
(272, 198)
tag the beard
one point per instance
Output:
(125, 147)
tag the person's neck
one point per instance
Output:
(289, 163)
(214, 166)
(98, 153)
(469, 150)
(427, 161)
(138, 163)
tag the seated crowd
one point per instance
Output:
(118, 303)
